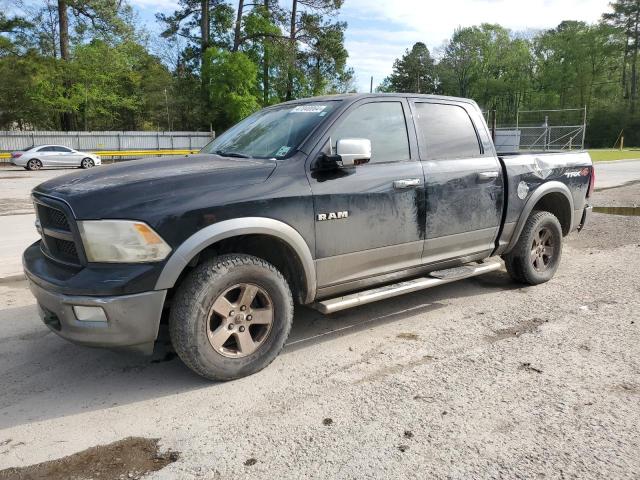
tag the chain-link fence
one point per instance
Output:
(540, 130)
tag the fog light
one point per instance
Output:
(89, 314)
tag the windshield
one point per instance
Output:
(271, 133)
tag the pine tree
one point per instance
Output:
(413, 73)
(626, 17)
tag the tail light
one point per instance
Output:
(16, 155)
(592, 182)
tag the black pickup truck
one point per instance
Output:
(330, 201)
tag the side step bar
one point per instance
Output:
(436, 278)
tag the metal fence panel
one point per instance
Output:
(107, 140)
(559, 129)
(565, 137)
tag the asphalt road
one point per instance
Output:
(476, 379)
(613, 174)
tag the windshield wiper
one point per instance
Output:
(231, 154)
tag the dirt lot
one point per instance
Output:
(476, 379)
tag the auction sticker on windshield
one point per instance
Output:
(309, 109)
(282, 151)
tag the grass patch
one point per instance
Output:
(605, 155)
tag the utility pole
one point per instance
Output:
(86, 105)
(166, 100)
(371, 85)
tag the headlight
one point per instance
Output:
(121, 241)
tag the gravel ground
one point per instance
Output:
(481, 378)
(475, 379)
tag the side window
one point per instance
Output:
(445, 131)
(384, 124)
(47, 149)
(62, 149)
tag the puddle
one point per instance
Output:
(133, 457)
(626, 211)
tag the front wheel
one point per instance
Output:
(87, 163)
(536, 256)
(231, 317)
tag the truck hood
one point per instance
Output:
(110, 191)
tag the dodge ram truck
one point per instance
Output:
(331, 202)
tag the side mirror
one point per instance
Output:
(353, 151)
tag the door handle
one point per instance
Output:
(406, 183)
(486, 176)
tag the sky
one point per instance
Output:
(379, 31)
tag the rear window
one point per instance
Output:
(445, 132)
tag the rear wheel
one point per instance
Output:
(87, 163)
(34, 164)
(231, 317)
(536, 256)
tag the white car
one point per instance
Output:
(35, 158)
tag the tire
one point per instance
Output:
(34, 164)
(199, 322)
(536, 256)
(87, 163)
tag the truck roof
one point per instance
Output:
(352, 97)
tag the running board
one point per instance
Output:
(439, 277)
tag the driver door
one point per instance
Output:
(68, 157)
(369, 218)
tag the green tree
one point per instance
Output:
(414, 72)
(304, 29)
(575, 65)
(232, 87)
(260, 37)
(626, 18)
(203, 23)
(489, 64)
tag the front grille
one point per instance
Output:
(66, 249)
(56, 219)
(58, 238)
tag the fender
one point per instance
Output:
(232, 228)
(541, 191)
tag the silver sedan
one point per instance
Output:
(35, 158)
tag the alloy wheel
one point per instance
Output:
(542, 249)
(35, 164)
(240, 320)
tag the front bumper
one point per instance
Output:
(586, 215)
(132, 321)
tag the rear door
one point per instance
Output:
(47, 155)
(463, 180)
(369, 218)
